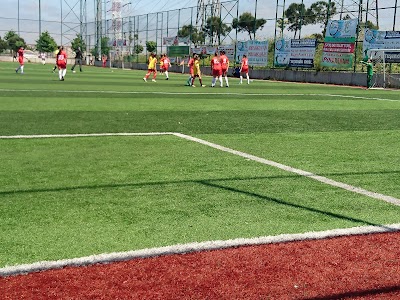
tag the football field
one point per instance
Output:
(105, 162)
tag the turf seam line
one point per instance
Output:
(192, 247)
(322, 179)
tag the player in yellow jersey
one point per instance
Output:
(152, 67)
(196, 71)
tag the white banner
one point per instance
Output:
(282, 53)
(256, 51)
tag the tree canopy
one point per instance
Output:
(196, 37)
(296, 17)
(105, 48)
(216, 28)
(78, 42)
(46, 43)
(3, 45)
(248, 23)
(14, 41)
(151, 46)
(318, 13)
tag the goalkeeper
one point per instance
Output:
(370, 72)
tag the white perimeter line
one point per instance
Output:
(264, 161)
(205, 93)
(192, 247)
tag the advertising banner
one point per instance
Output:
(282, 53)
(170, 41)
(297, 53)
(229, 51)
(337, 60)
(302, 53)
(375, 39)
(341, 31)
(178, 51)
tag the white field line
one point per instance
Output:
(199, 93)
(264, 161)
(294, 170)
(192, 247)
(38, 136)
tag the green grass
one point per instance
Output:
(71, 197)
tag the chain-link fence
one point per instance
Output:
(125, 35)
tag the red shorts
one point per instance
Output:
(245, 70)
(224, 71)
(217, 73)
(62, 65)
(151, 70)
(21, 61)
(164, 68)
(191, 72)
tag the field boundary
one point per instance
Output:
(193, 247)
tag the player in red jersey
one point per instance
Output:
(225, 66)
(20, 54)
(61, 62)
(244, 69)
(166, 63)
(216, 69)
(191, 70)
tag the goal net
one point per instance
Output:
(386, 68)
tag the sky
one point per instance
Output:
(53, 11)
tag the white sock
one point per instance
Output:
(248, 78)
(64, 71)
(226, 80)
(60, 74)
(22, 69)
(220, 80)
(241, 78)
(166, 74)
(213, 81)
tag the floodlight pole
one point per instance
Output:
(18, 18)
(40, 19)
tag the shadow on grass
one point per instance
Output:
(216, 183)
(351, 295)
(279, 201)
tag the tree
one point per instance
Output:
(138, 49)
(296, 17)
(78, 42)
(248, 23)
(3, 45)
(215, 27)
(281, 24)
(14, 41)
(46, 43)
(151, 46)
(320, 12)
(196, 37)
(105, 48)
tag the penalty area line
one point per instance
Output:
(261, 160)
(191, 248)
(322, 179)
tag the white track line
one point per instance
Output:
(203, 93)
(192, 247)
(264, 161)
